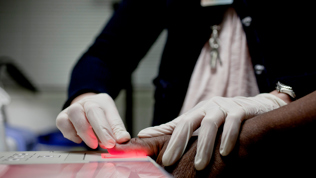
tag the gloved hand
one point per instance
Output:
(93, 119)
(208, 116)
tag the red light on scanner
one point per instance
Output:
(125, 155)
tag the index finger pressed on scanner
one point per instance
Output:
(116, 124)
(101, 127)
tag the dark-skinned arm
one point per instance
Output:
(277, 143)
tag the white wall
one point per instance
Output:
(46, 37)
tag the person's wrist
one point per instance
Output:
(82, 96)
(285, 97)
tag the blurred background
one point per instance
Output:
(40, 41)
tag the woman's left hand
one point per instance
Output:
(208, 116)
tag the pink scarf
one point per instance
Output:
(235, 77)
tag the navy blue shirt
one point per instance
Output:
(280, 41)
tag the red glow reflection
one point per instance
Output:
(132, 149)
(124, 155)
(120, 169)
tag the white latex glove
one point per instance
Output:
(208, 116)
(93, 119)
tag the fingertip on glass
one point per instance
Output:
(108, 144)
(76, 140)
(93, 146)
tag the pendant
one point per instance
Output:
(213, 42)
(214, 58)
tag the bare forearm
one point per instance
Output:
(282, 140)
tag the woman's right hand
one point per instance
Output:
(94, 119)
